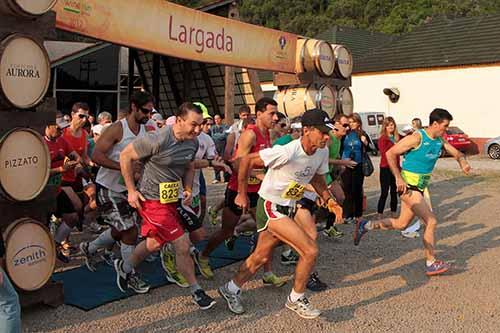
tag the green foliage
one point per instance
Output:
(310, 17)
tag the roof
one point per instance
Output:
(441, 42)
(60, 50)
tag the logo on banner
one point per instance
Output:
(282, 42)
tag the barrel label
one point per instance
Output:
(24, 71)
(30, 255)
(22, 161)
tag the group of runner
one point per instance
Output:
(151, 180)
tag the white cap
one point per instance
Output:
(98, 129)
(157, 117)
(407, 129)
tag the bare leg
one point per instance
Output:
(229, 221)
(183, 260)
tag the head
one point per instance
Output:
(266, 110)
(316, 127)
(158, 118)
(355, 122)
(79, 114)
(206, 125)
(416, 123)
(141, 105)
(188, 121)
(340, 125)
(282, 126)
(91, 119)
(217, 119)
(98, 129)
(53, 131)
(439, 120)
(104, 118)
(244, 112)
(388, 126)
(296, 127)
(207, 118)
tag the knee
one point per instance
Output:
(259, 259)
(431, 222)
(129, 236)
(311, 252)
(182, 246)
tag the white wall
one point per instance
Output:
(472, 95)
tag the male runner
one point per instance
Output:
(111, 191)
(289, 169)
(253, 139)
(422, 149)
(168, 156)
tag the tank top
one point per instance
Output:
(261, 142)
(110, 178)
(78, 144)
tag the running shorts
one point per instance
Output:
(267, 211)
(113, 207)
(230, 195)
(189, 217)
(161, 221)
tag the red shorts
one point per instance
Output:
(160, 221)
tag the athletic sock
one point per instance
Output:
(369, 225)
(127, 266)
(104, 240)
(62, 232)
(430, 262)
(232, 287)
(126, 251)
(194, 287)
(295, 296)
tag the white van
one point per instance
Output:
(372, 124)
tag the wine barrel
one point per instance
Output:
(24, 71)
(315, 56)
(345, 104)
(293, 101)
(26, 8)
(30, 253)
(343, 61)
(24, 164)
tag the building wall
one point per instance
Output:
(470, 94)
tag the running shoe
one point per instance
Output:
(273, 280)
(230, 242)
(61, 255)
(202, 264)
(303, 308)
(233, 300)
(315, 284)
(410, 234)
(121, 277)
(137, 284)
(438, 267)
(332, 232)
(290, 259)
(168, 264)
(203, 300)
(89, 258)
(108, 257)
(349, 220)
(359, 230)
(212, 215)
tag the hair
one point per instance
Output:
(122, 113)
(185, 108)
(357, 118)
(79, 105)
(385, 123)
(262, 104)
(418, 122)
(244, 109)
(338, 116)
(439, 115)
(141, 98)
(104, 115)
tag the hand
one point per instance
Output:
(464, 165)
(68, 164)
(350, 163)
(134, 199)
(401, 185)
(241, 201)
(219, 164)
(335, 208)
(187, 198)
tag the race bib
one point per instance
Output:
(253, 180)
(55, 179)
(294, 191)
(169, 192)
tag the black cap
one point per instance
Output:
(317, 118)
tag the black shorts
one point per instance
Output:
(64, 205)
(189, 220)
(413, 188)
(307, 204)
(229, 197)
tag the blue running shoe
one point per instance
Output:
(438, 267)
(359, 230)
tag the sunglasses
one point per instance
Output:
(144, 110)
(344, 125)
(283, 125)
(81, 116)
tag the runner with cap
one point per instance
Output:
(289, 169)
(168, 156)
(421, 151)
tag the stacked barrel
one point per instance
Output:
(326, 87)
(25, 198)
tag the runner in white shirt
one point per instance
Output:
(290, 168)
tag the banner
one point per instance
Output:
(165, 28)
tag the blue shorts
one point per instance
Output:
(203, 185)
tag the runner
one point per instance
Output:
(253, 139)
(421, 149)
(111, 190)
(168, 156)
(289, 169)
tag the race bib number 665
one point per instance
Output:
(294, 191)
(169, 192)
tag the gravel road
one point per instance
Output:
(379, 286)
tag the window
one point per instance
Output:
(380, 119)
(371, 120)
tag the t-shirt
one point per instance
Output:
(165, 159)
(290, 169)
(334, 154)
(206, 149)
(79, 144)
(58, 149)
(218, 133)
(283, 140)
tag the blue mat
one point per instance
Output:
(88, 290)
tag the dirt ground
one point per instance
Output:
(379, 286)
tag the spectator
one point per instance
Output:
(104, 118)
(158, 118)
(235, 131)
(218, 132)
(10, 310)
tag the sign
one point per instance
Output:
(162, 27)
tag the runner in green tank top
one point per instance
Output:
(421, 149)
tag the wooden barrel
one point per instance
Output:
(24, 164)
(26, 8)
(293, 101)
(315, 56)
(24, 71)
(345, 104)
(343, 61)
(30, 253)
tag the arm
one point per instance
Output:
(187, 182)
(247, 163)
(228, 151)
(127, 157)
(105, 143)
(245, 144)
(406, 144)
(318, 182)
(462, 162)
